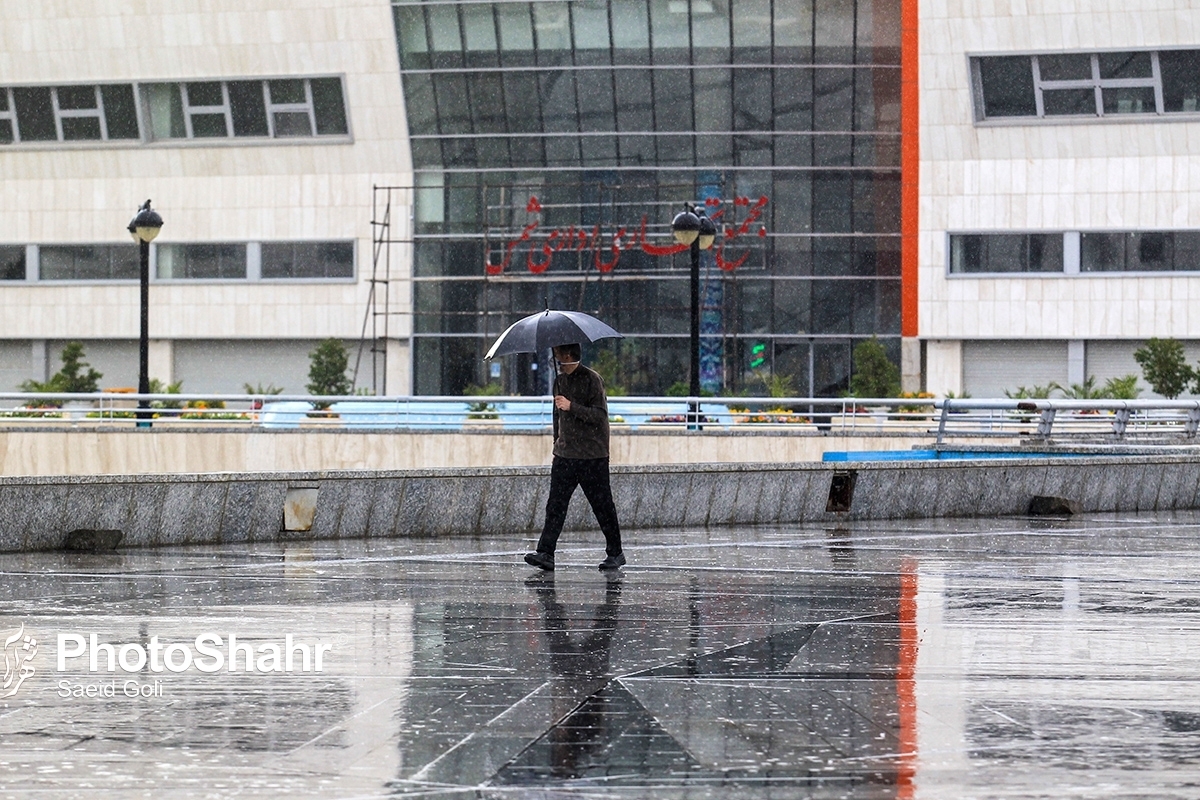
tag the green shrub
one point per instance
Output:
(76, 375)
(483, 410)
(158, 387)
(1031, 392)
(1125, 388)
(874, 373)
(1080, 391)
(777, 384)
(258, 388)
(683, 389)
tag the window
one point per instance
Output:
(1073, 252)
(35, 115)
(284, 260)
(1087, 85)
(1006, 252)
(206, 110)
(201, 261)
(1180, 70)
(8, 118)
(1140, 251)
(1007, 84)
(12, 262)
(103, 262)
(166, 111)
(67, 114)
(278, 108)
(212, 261)
(120, 112)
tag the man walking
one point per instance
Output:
(580, 458)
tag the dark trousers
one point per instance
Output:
(592, 475)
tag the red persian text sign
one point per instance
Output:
(543, 245)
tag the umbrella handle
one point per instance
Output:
(554, 380)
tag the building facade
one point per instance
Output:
(1058, 222)
(258, 129)
(609, 116)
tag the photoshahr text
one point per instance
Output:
(209, 653)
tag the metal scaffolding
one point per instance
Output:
(391, 247)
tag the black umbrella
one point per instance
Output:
(537, 332)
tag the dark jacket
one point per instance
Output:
(581, 432)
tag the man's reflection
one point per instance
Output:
(579, 657)
(841, 548)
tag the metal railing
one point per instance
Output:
(1148, 421)
(802, 414)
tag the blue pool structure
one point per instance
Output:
(938, 455)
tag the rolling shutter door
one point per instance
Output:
(991, 368)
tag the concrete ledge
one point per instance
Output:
(128, 451)
(36, 513)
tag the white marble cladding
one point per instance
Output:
(230, 190)
(209, 311)
(1096, 175)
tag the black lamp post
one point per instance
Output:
(143, 228)
(693, 227)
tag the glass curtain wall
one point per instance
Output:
(544, 131)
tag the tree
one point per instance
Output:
(327, 370)
(1165, 367)
(76, 375)
(874, 373)
(608, 367)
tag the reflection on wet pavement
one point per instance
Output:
(944, 659)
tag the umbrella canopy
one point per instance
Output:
(548, 328)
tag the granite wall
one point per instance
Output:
(37, 513)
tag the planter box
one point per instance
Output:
(317, 419)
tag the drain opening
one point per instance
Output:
(841, 491)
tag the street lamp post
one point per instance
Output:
(143, 228)
(693, 227)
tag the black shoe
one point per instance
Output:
(612, 562)
(542, 561)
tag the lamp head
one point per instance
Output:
(686, 226)
(707, 230)
(146, 224)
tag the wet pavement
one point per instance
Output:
(940, 659)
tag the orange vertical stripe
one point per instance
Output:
(910, 162)
(906, 684)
